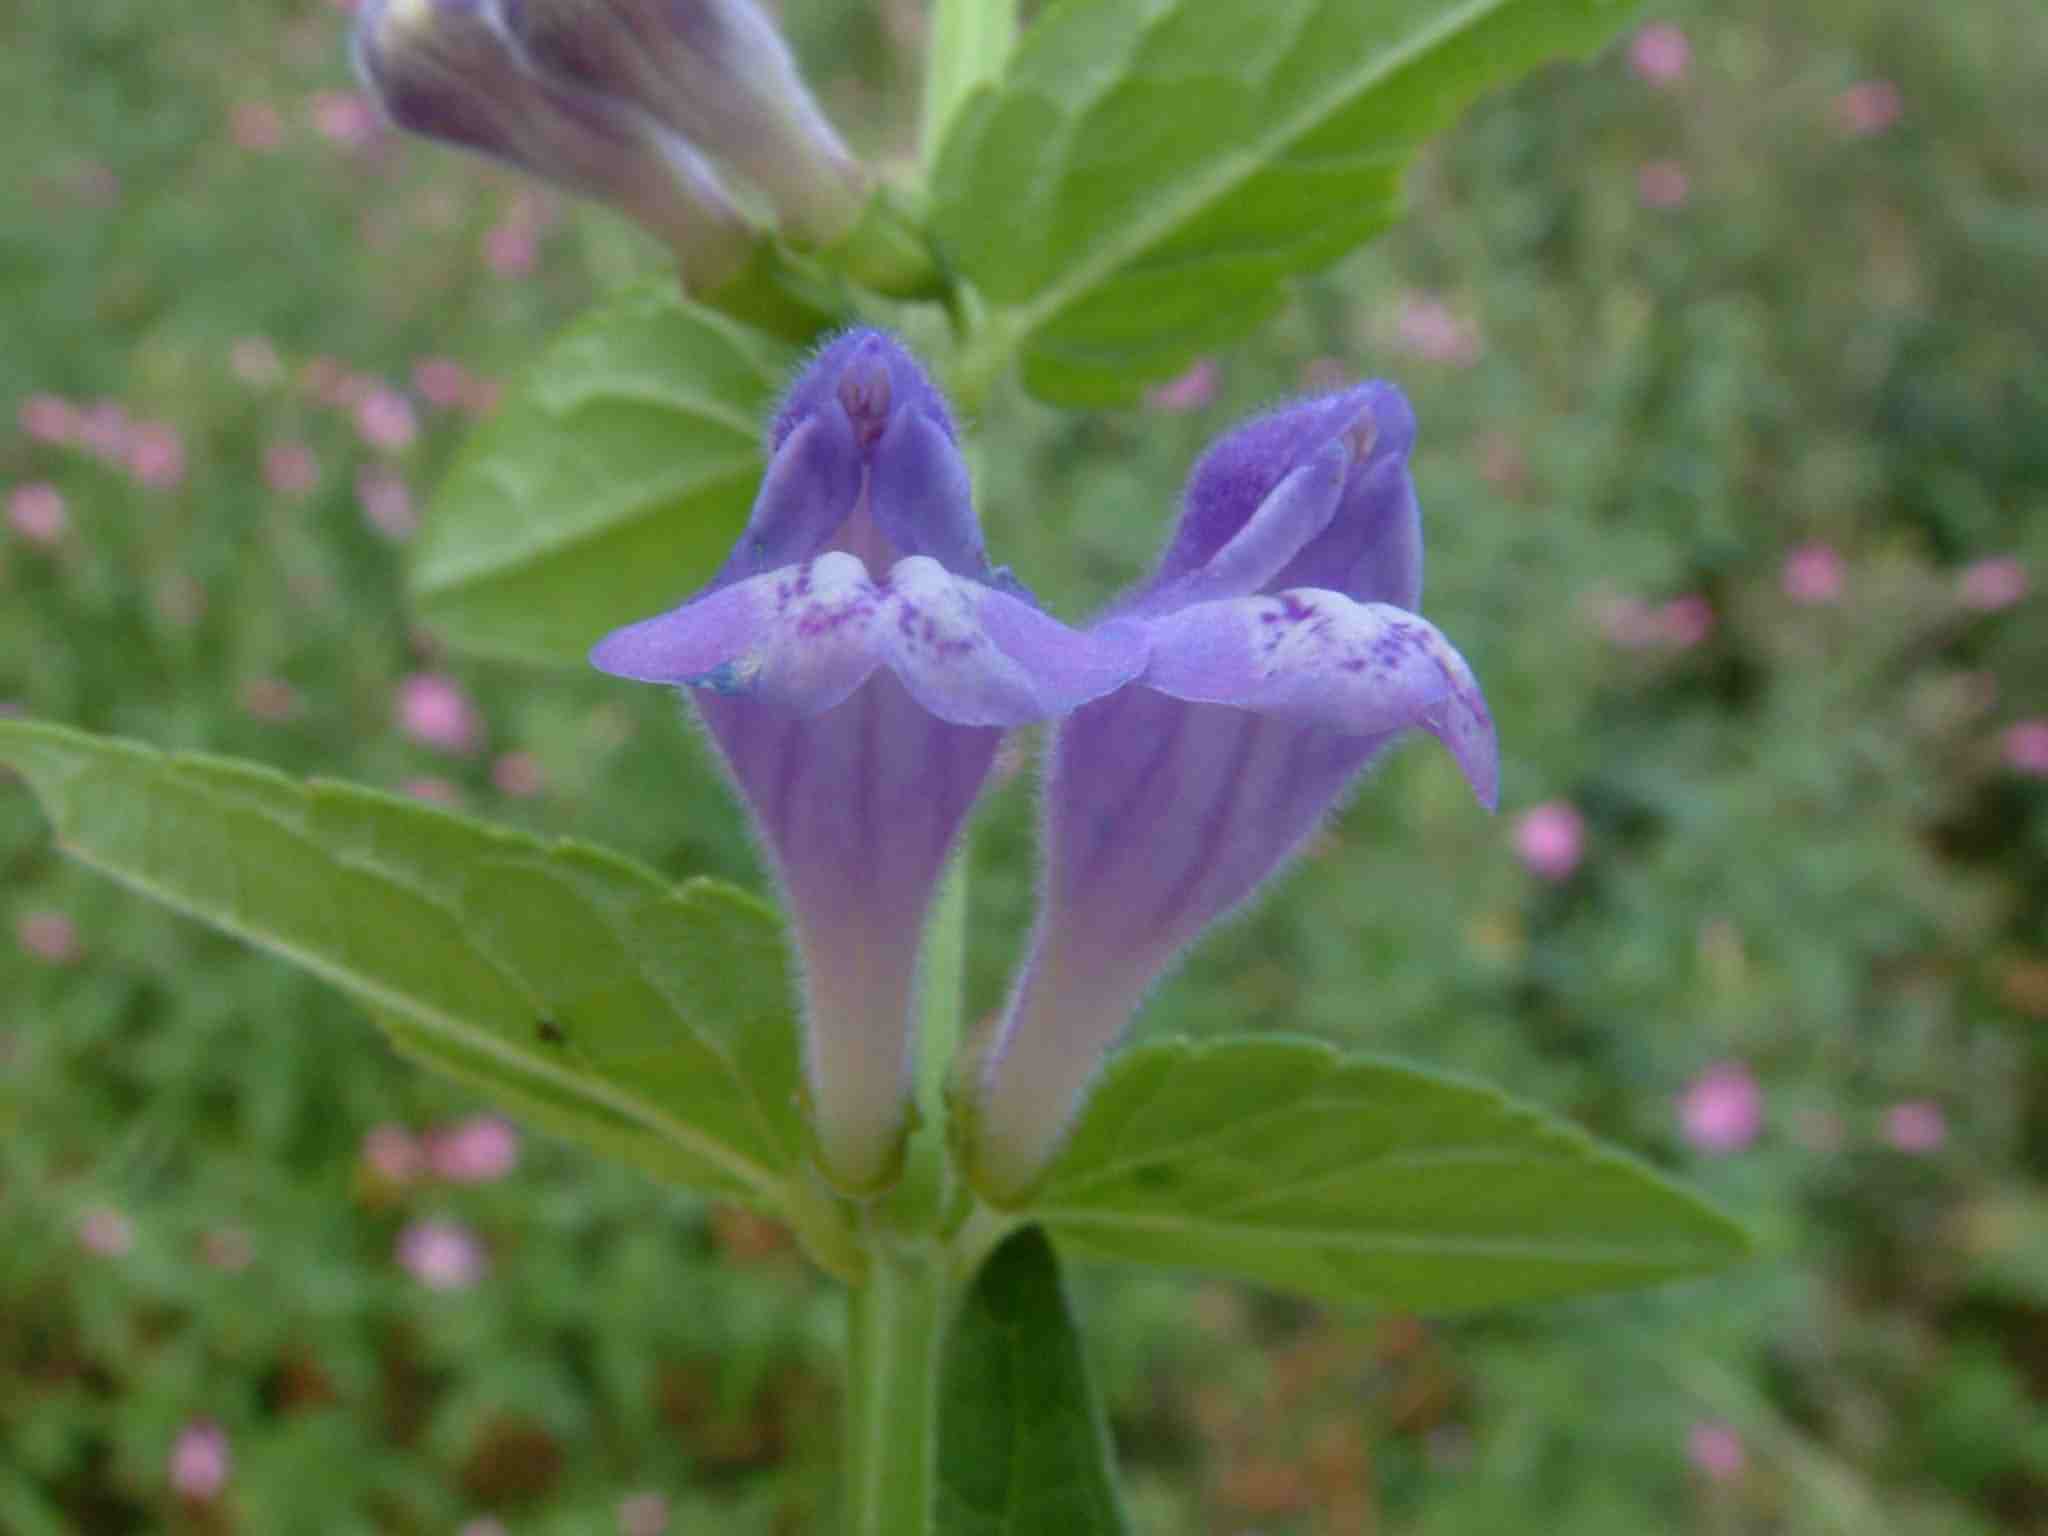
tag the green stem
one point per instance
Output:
(971, 40)
(896, 1323)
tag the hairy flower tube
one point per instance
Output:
(1283, 656)
(445, 69)
(717, 73)
(857, 660)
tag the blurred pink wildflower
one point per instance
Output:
(1427, 328)
(1721, 1110)
(254, 361)
(270, 699)
(435, 712)
(385, 420)
(643, 1514)
(2026, 748)
(386, 501)
(1189, 391)
(434, 791)
(479, 1150)
(346, 119)
(1989, 585)
(50, 937)
(392, 1154)
(200, 1462)
(106, 1233)
(1660, 54)
(257, 127)
(36, 511)
(49, 419)
(1916, 1126)
(103, 429)
(1715, 1451)
(1663, 184)
(518, 775)
(441, 1255)
(1685, 622)
(227, 1249)
(290, 469)
(1551, 839)
(511, 248)
(441, 381)
(156, 455)
(1813, 574)
(1867, 108)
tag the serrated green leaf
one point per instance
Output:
(1023, 1444)
(1290, 1164)
(653, 1021)
(1149, 172)
(608, 487)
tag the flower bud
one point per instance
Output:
(445, 69)
(719, 75)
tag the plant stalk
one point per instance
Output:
(896, 1323)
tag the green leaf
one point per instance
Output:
(649, 1020)
(1023, 1445)
(609, 486)
(1287, 1163)
(1150, 171)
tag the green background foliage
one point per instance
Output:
(1803, 849)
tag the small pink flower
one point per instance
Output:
(510, 249)
(643, 1514)
(105, 1233)
(1917, 1127)
(392, 1154)
(37, 513)
(441, 1255)
(50, 419)
(1722, 1110)
(435, 712)
(484, 1525)
(1551, 839)
(156, 455)
(434, 791)
(1660, 54)
(1989, 585)
(1190, 391)
(441, 381)
(479, 1150)
(1663, 184)
(103, 430)
(255, 362)
(1427, 328)
(1867, 108)
(200, 1462)
(1813, 574)
(270, 699)
(1715, 1451)
(1628, 621)
(2026, 748)
(518, 775)
(290, 469)
(385, 420)
(50, 937)
(331, 382)
(346, 119)
(386, 501)
(227, 1249)
(1685, 622)
(257, 127)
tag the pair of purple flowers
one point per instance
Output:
(857, 660)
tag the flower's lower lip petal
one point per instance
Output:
(975, 656)
(1319, 658)
(800, 637)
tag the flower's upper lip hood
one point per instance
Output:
(1238, 472)
(839, 367)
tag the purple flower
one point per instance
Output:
(445, 69)
(857, 661)
(1284, 656)
(718, 75)
(199, 1462)
(442, 1255)
(1722, 1110)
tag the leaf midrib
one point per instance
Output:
(1094, 268)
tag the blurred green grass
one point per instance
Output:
(1803, 849)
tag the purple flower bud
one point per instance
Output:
(1284, 656)
(857, 661)
(716, 73)
(445, 69)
